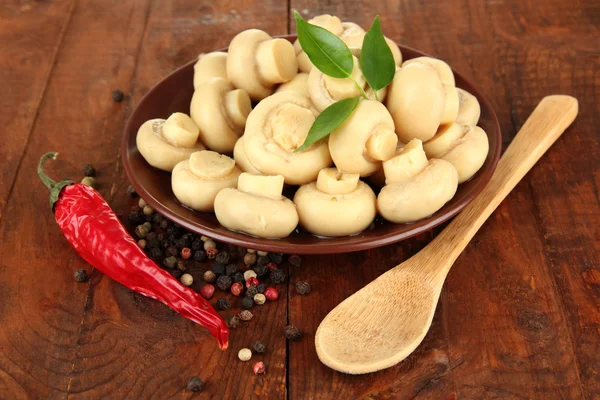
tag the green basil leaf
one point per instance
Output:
(325, 50)
(328, 120)
(376, 59)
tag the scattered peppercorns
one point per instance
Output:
(260, 299)
(142, 243)
(223, 257)
(207, 291)
(186, 253)
(90, 181)
(272, 266)
(262, 253)
(277, 276)
(259, 347)
(118, 96)
(131, 191)
(245, 354)
(302, 287)
(251, 251)
(232, 321)
(212, 253)
(187, 279)
(231, 269)
(277, 258)
(210, 244)
(172, 251)
(224, 282)
(199, 256)
(251, 292)
(218, 269)
(259, 368)
(181, 265)
(263, 260)
(81, 275)
(292, 333)
(247, 303)
(209, 276)
(250, 259)
(295, 260)
(261, 288)
(261, 270)
(249, 274)
(237, 289)
(142, 203)
(148, 210)
(246, 315)
(223, 304)
(238, 278)
(271, 293)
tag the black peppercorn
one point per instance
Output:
(89, 170)
(224, 282)
(164, 224)
(131, 191)
(218, 269)
(81, 275)
(182, 243)
(118, 96)
(259, 347)
(277, 276)
(148, 217)
(176, 273)
(170, 262)
(292, 333)
(157, 218)
(172, 251)
(135, 217)
(195, 384)
(261, 270)
(152, 243)
(295, 260)
(261, 288)
(251, 291)
(302, 287)
(238, 277)
(197, 244)
(276, 257)
(233, 321)
(155, 253)
(199, 255)
(231, 269)
(165, 244)
(223, 258)
(263, 260)
(181, 265)
(223, 304)
(247, 303)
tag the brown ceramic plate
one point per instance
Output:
(174, 93)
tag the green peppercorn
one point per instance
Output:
(195, 384)
(223, 257)
(292, 333)
(218, 269)
(131, 191)
(231, 269)
(223, 304)
(302, 287)
(89, 170)
(209, 276)
(90, 181)
(224, 282)
(81, 275)
(259, 347)
(247, 303)
(246, 315)
(250, 259)
(277, 276)
(170, 262)
(141, 231)
(232, 321)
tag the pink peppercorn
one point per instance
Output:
(271, 293)
(211, 253)
(186, 253)
(259, 368)
(272, 266)
(237, 289)
(251, 282)
(207, 291)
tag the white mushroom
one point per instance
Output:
(196, 182)
(466, 147)
(442, 68)
(256, 62)
(378, 178)
(278, 126)
(469, 109)
(414, 187)
(239, 155)
(364, 139)
(220, 112)
(298, 84)
(325, 21)
(353, 35)
(257, 207)
(209, 66)
(164, 143)
(337, 204)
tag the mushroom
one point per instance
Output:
(469, 110)
(239, 155)
(278, 126)
(416, 100)
(325, 21)
(257, 207)
(256, 62)
(415, 188)
(378, 177)
(164, 143)
(196, 182)
(298, 84)
(209, 66)
(220, 112)
(364, 139)
(337, 204)
(353, 35)
(443, 69)
(466, 147)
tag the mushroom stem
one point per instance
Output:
(382, 144)
(333, 181)
(210, 165)
(261, 185)
(238, 106)
(180, 130)
(272, 60)
(406, 164)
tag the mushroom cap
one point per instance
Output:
(256, 215)
(469, 109)
(420, 196)
(325, 21)
(451, 105)
(416, 100)
(465, 147)
(276, 127)
(158, 151)
(328, 214)
(443, 69)
(325, 90)
(239, 155)
(196, 182)
(209, 66)
(220, 112)
(407, 163)
(353, 35)
(298, 84)
(348, 143)
(256, 62)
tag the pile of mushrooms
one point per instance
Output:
(401, 154)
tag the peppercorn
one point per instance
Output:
(142, 203)
(210, 244)
(89, 170)
(302, 287)
(292, 333)
(117, 96)
(232, 321)
(135, 217)
(231, 269)
(81, 275)
(251, 292)
(142, 243)
(276, 257)
(238, 277)
(251, 251)
(245, 354)
(259, 299)
(157, 219)
(295, 260)
(195, 384)
(182, 243)
(141, 231)
(131, 191)
(172, 251)
(259, 368)
(148, 211)
(186, 253)
(261, 270)
(207, 291)
(259, 347)
(182, 265)
(218, 269)
(237, 289)
(209, 276)
(165, 244)
(247, 303)
(262, 253)
(204, 238)
(246, 315)
(272, 266)
(277, 276)
(263, 260)
(164, 224)
(224, 282)
(223, 304)
(271, 294)
(251, 282)
(261, 287)
(176, 273)
(156, 253)
(212, 253)
(249, 274)
(199, 256)
(223, 257)
(170, 262)
(196, 245)
(249, 259)
(187, 279)
(148, 226)
(90, 181)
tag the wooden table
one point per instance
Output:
(519, 316)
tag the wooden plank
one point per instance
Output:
(30, 36)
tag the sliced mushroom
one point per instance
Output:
(164, 143)
(469, 110)
(466, 147)
(239, 155)
(257, 207)
(416, 100)
(409, 196)
(325, 21)
(256, 62)
(298, 84)
(209, 66)
(220, 112)
(278, 126)
(442, 68)
(364, 139)
(196, 182)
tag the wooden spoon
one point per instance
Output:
(383, 323)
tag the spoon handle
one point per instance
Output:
(548, 121)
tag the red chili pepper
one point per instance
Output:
(96, 233)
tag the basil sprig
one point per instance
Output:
(331, 56)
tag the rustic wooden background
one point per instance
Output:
(520, 313)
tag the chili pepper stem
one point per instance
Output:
(53, 186)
